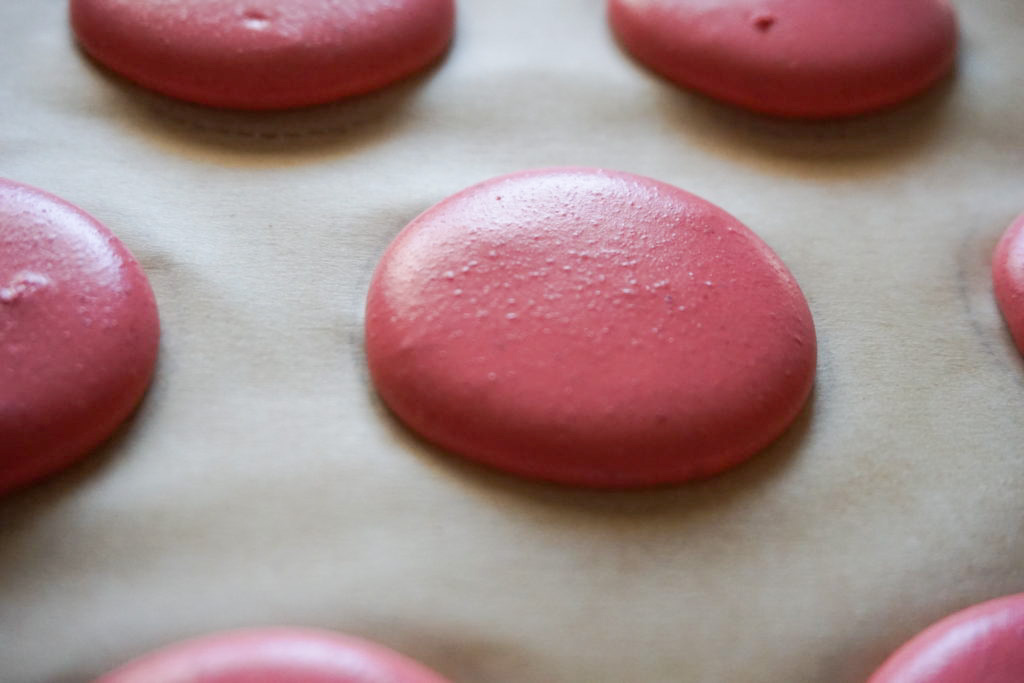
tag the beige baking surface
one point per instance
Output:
(262, 482)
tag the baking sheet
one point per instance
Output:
(262, 482)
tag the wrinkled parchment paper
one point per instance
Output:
(263, 483)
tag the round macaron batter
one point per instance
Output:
(589, 327)
(264, 54)
(78, 334)
(1008, 279)
(981, 644)
(274, 656)
(795, 58)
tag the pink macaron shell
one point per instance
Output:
(1008, 279)
(794, 58)
(589, 327)
(263, 54)
(78, 334)
(981, 644)
(273, 656)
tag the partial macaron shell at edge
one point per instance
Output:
(258, 54)
(793, 58)
(79, 334)
(273, 655)
(1008, 279)
(981, 644)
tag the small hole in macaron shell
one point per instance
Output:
(255, 19)
(763, 20)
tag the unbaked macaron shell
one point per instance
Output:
(264, 54)
(591, 328)
(78, 334)
(274, 656)
(982, 644)
(795, 58)
(1008, 279)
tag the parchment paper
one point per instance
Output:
(262, 482)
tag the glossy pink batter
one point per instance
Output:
(589, 327)
(78, 334)
(799, 58)
(264, 54)
(274, 656)
(982, 644)
(1008, 279)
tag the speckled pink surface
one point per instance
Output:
(800, 58)
(78, 334)
(981, 644)
(589, 327)
(273, 656)
(1008, 279)
(258, 54)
